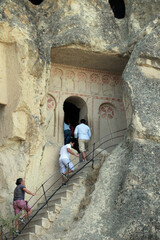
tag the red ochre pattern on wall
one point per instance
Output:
(58, 72)
(50, 103)
(88, 75)
(70, 75)
(82, 69)
(80, 74)
(89, 96)
(109, 101)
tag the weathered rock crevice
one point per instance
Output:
(90, 182)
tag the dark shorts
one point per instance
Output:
(20, 205)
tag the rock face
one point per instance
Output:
(125, 201)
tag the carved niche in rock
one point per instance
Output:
(69, 81)
(95, 83)
(82, 78)
(51, 116)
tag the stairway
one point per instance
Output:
(48, 214)
(45, 217)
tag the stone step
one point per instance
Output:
(55, 207)
(59, 238)
(64, 193)
(50, 215)
(52, 201)
(38, 230)
(56, 197)
(27, 236)
(84, 168)
(67, 190)
(70, 186)
(83, 171)
(44, 222)
(45, 212)
(76, 179)
(42, 213)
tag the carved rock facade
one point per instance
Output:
(78, 53)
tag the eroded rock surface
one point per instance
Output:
(125, 202)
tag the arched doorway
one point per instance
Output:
(75, 109)
(36, 2)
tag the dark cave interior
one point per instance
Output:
(118, 8)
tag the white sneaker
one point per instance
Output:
(17, 232)
(21, 220)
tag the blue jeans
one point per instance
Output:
(67, 136)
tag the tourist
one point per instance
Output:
(72, 131)
(19, 203)
(66, 166)
(67, 132)
(83, 133)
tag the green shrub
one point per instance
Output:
(7, 226)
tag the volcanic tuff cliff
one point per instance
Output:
(127, 193)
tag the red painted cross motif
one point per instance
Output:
(106, 111)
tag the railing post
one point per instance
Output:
(44, 194)
(93, 155)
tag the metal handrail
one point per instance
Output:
(90, 154)
(75, 158)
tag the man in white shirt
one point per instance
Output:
(83, 133)
(64, 161)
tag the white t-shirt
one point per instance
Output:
(64, 154)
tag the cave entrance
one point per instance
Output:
(36, 2)
(118, 8)
(71, 113)
(75, 109)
